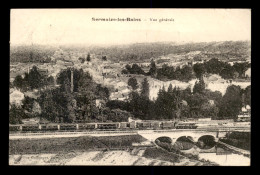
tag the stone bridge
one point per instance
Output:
(194, 134)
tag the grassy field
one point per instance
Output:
(59, 145)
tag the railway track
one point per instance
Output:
(221, 129)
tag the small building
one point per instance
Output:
(16, 97)
(211, 102)
(68, 63)
(244, 115)
(31, 121)
(43, 71)
(99, 103)
(248, 73)
(117, 96)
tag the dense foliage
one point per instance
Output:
(175, 103)
(225, 70)
(132, 82)
(171, 73)
(15, 114)
(135, 69)
(33, 80)
(60, 104)
(187, 73)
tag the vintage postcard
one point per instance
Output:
(134, 87)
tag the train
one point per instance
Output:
(141, 125)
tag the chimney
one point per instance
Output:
(72, 86)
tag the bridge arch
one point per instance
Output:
(206, 142)
(165, 139)
(184, 143)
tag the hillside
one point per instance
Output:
(34, 53)
(145, 51)
(138, 52)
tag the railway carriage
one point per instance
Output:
(86, 126)
(15, 128)
(168, 125)
(49, 127)
(143, 125)
(132, 125)
(30, 128)
(156, 125)
(124, 125)
(65, 127)
(104, 126)
(107, 126)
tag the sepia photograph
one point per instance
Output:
(130, 87)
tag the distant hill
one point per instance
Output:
(145, 51)
(34, 53)
(139, 51)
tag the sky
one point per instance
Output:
(75, 26)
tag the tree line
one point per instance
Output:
(174, 103)
(32, 80)
(225, 70)
(187, 73)
(60, 104)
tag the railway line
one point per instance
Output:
(51, 134)
(143, 125)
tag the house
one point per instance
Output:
(245, 114)
(211, 102)
(248, 73)
(121, 88)
(145, 64)
(212, 78)
(16, 97)
(66, 63)
(118, 96)
(43, 71)
(146, 69)
(31, 121)
(100, 103)
(107, 71)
